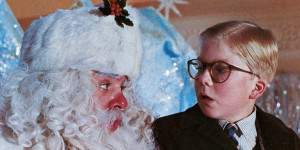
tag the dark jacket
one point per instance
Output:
(191, 130)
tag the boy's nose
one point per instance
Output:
(205, 78)
(118, 101)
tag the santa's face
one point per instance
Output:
(109, 94)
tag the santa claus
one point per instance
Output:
(74, 85)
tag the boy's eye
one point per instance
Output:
(103, 86)
(200, 68)
(220, 70)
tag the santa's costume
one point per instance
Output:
(47, 102)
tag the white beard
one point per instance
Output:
(123, 138)
(61, 115)
(131, 134)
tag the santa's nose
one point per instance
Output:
(118, 102)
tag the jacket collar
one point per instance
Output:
(270, 129)
(194, 119)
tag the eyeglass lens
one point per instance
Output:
(219, 71)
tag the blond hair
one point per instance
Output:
(255, 45)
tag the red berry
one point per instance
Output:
(119, 9)
(112, 8)
(112, 13)
(118, 6)
(117, 14)
(113, 1)
(113, 5)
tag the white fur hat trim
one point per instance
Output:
(85, 40)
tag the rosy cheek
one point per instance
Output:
(99, 100)
(224, 91)
(197, 86)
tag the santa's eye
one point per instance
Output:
(125, 84)
(123, 88)
(103, 86)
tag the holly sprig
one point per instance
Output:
(116, 7)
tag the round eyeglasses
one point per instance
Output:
(219, 71)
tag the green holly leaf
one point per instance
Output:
(126, 21)
(106, 4)
(124, 12)
(122, 3)
(105, 11)
(119, 22)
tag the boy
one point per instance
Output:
(237, 60)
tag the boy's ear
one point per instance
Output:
(260, 87)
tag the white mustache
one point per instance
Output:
(106, 117)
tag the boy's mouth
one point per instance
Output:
(206, 97)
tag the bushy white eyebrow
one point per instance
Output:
(109, 75)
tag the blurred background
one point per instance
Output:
(189, 18)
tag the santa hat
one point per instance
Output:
(83, 39)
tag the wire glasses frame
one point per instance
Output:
(219, 71)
